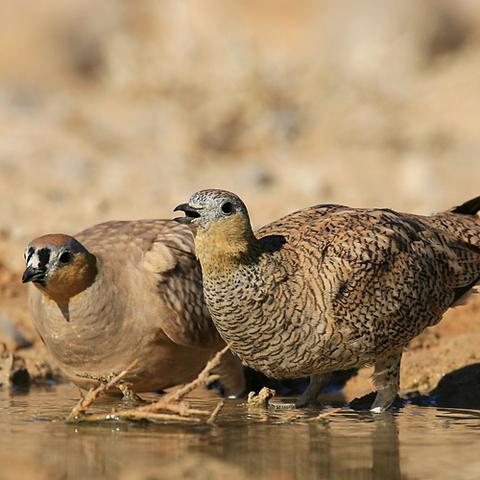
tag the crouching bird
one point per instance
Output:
(330, 287)
(124, 291)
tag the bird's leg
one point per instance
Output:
(309, 396)
(386, 379)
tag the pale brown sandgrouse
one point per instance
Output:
(122, 291)
(330, 287)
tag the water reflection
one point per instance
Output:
(417, 442)
(357, 446)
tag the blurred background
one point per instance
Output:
(121, 109)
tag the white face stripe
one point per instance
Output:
(39, 258)
(29, 251)
(46, 257)
(33, 260)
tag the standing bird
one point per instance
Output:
(330, 287)
(122, 291)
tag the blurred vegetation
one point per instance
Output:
(120, 109)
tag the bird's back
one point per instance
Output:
(343, 285)
(162, 251)
(146, 302)
(330, 287)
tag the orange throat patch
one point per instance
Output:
(225, 245)
(72, 279)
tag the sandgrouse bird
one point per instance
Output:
(330, 287)
(121, 291)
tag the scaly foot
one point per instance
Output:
(386, 379)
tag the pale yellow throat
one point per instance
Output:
(225, 244)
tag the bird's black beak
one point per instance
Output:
(32, 274)
(190, 213)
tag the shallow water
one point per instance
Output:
(415, 442)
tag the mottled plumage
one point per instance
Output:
(121, 291)
(331, 287)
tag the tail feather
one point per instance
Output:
(468, 208)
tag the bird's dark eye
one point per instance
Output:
(227, 208)
(65, 257)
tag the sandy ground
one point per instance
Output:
(121, 110)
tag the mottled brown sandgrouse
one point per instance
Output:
(330, 287)
(121, 291)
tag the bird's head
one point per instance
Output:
(219, 221)
(212, 207)
(58, 265)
